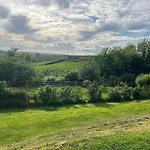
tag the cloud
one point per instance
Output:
(4, 12)
(75, 26)
(19, 24)
(62, 4)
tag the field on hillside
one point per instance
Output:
(59, 69)
(91, 126)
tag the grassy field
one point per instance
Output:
(60, 69)
(100, 126)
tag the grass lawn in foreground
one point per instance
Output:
(91, 126)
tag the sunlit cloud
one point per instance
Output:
(73, 26)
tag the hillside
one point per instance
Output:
(91, 126)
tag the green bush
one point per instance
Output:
(69, 96)
(3, 85)
(86, 83)
(145, 92)
(115, 95)
(48, 96)
(59, 96)
(13, 99)
(143, 80)
(126, 92)
(137, 93)
(72, 76)
(95, 93)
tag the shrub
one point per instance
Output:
(137, 93)
(88, 73)
(13, 99)
(48, 96)
(143, 80)
(95, 93)
(69, 96)
(34, 97)
(72, 76)
(3, 85)
(126, 92)
(86, 83)
(128, 78)
(145, 92)
(114, 95)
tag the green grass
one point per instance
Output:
(60, 69)
(48, 126)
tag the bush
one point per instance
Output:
(59, 96)
(128, 78)
(88, 73)
(86, 83)
(114, 95)
(13, 99)
(70, 96)
(137, 93)
(48, 96)
(95, 93)
(126, 92)
(72, 76)
(143, 80)
(3, 85)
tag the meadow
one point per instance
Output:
(90, 126)
(58, 70)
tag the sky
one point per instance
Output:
(72, 26)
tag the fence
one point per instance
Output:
(62, 83)
(37, 84)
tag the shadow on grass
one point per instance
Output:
(37, 108)
(106, 105)
(56, 108)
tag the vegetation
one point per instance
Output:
(143, 80)
(52, 123)
(121, 63)
(16, 68)
(94, 126)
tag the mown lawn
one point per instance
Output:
(76, 127)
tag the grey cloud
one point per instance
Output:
(63, 46)
(44, 3)
(62, 4)
(19, 25)
(86, 35)
(4, 12)
(46, 40)
(122, 27)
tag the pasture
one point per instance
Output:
(90, 126)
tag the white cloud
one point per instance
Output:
(77, 26)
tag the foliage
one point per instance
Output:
(137, 93)
(115, 95)
(88, 73)
(59, 96)
(13, 99)
(95, 93)
(143, 80)
(48, 96)
(126, 92)
(70, 96)
(72, 76)
(16, 68)
(3, 85)
(123, 62)
(86, 83)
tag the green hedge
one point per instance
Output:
(143, 80)
(13, 99)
